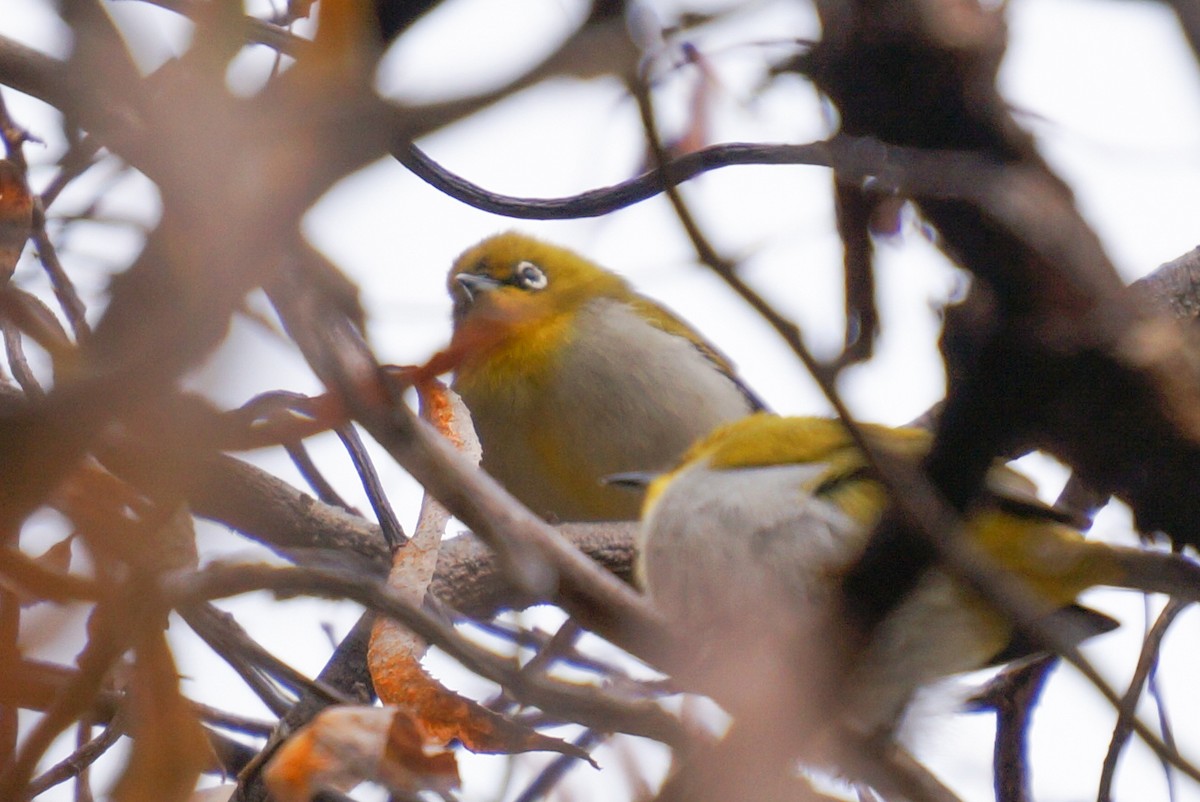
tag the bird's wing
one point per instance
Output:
(660, 318)
(1076, 622)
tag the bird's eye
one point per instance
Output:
(529, 276)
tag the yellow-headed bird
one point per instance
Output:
(571, 376)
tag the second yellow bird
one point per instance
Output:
(744, 545)
(571, 376)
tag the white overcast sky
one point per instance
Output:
(1109, 87)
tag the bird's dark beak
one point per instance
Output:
(473, 284)
(632, 480)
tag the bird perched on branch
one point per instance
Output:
(744, 543)
(571, 376)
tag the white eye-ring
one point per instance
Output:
(529, 276)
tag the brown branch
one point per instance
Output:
(1126, 710)
(273, 512)
(64, 288)
(221, 632)
(542, 786)
(1174, 286)
(313, 477)
(44, 583)
(936, 173)
(855, 207)
(78, 761)
(590, 706)
(14, 352)
(1012, 694)
(33, 72)
(83, 782)
(469, 576)
(393, 532)
(471, 579)
(605, 200)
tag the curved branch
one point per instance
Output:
(946, 174)
(601, 201)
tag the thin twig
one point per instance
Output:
(725, 269)
(1155, 690)
(224, 628)
(243, 665)
(232, 721)
(388, 522)
(1127, 706)
(77, 161)
(14, 349)
(558, 646)
(1012, 694)
(314, 478)
(64, 288)
(14, 137)
(542, 785)
(908, 171)
(572, 657)
(78, 761)
(83, 782)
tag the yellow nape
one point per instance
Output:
(1054, 558)
(764, 439)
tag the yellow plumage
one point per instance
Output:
(571, 376)
(761, 518)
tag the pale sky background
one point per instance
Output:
(1109, 87)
